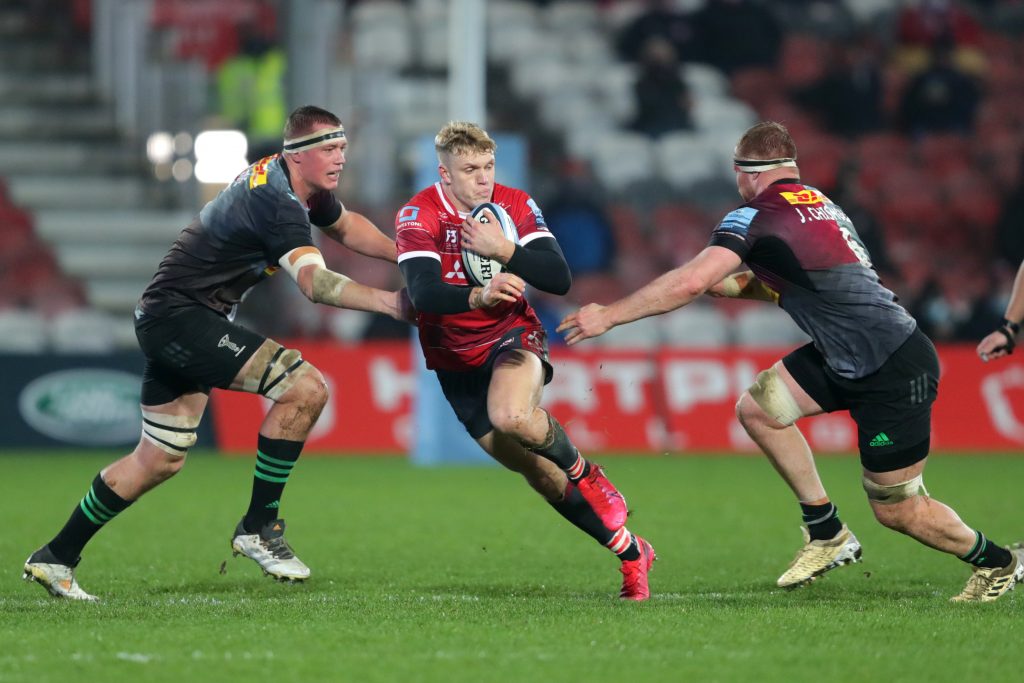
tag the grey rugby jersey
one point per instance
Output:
(237, 241)
(805, 247)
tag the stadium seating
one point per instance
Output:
(22, 331)
(696, 326)
(766, 325)
(82, 331)
(639, 334)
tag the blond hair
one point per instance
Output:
(766, 140)
(462, 137)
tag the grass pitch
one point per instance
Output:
(463, 574)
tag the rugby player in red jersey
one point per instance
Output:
(487, 345)
(866, 356)
(258, 224)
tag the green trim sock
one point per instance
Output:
(822, 521)
(99, 506)
(985, 553)
(275, 459)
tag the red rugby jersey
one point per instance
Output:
(429, 226)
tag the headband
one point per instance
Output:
(759, 165)
(320, 137)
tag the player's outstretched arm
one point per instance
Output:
(358, 233)
(743, 285)
(324, 286)
(430, 294)
(668, 292)
(1003, 339)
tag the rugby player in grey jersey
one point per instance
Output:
(184, 322)
(866, 356)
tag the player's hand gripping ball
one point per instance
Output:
(480, 269)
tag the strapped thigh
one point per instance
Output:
(770, 392)
(273, 370)
(173, 434)
(894, 493)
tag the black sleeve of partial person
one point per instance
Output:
(429, 294)
(542, 265)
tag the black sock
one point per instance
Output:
(558, 449)
(822, 520)
(578, 511)
(99, 506)
(987, 554)
(275, 459)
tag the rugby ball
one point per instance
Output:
(480, 269)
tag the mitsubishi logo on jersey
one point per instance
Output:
(455, 273)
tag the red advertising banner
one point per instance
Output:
(667, 400)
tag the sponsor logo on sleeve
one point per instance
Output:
(408, 213)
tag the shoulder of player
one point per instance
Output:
(519, 205)
(509, 197)
(420, 212)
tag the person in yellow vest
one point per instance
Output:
(251, 90)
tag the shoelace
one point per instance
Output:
(598, 482)
(279, 548)
(631, 575)
(981, 582)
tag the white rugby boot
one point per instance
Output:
(819, 556)
(58, 579)
(270, 551)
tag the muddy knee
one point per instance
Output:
(509, 421)
(276, 371)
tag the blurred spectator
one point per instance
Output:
(251, 89)
(923, 25)
(959, 301)
(1009, 237)
(848, 98)
(936, 316)
(576, 217)
(737, 33)
(659, 19)
(662, 97)
(940, 99)
(825, 19)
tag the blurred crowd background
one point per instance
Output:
(908, 113)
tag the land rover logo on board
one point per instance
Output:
(93, 407)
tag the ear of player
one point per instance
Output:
(480, 269)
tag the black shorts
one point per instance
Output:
(892, 407)
(192, 349)
(467, 391)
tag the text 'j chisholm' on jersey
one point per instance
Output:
(237, 240)
(429, 226)
(802, 245)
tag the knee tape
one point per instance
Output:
(889, 495)
(274, 371)
(173, 434)
(774, 397)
